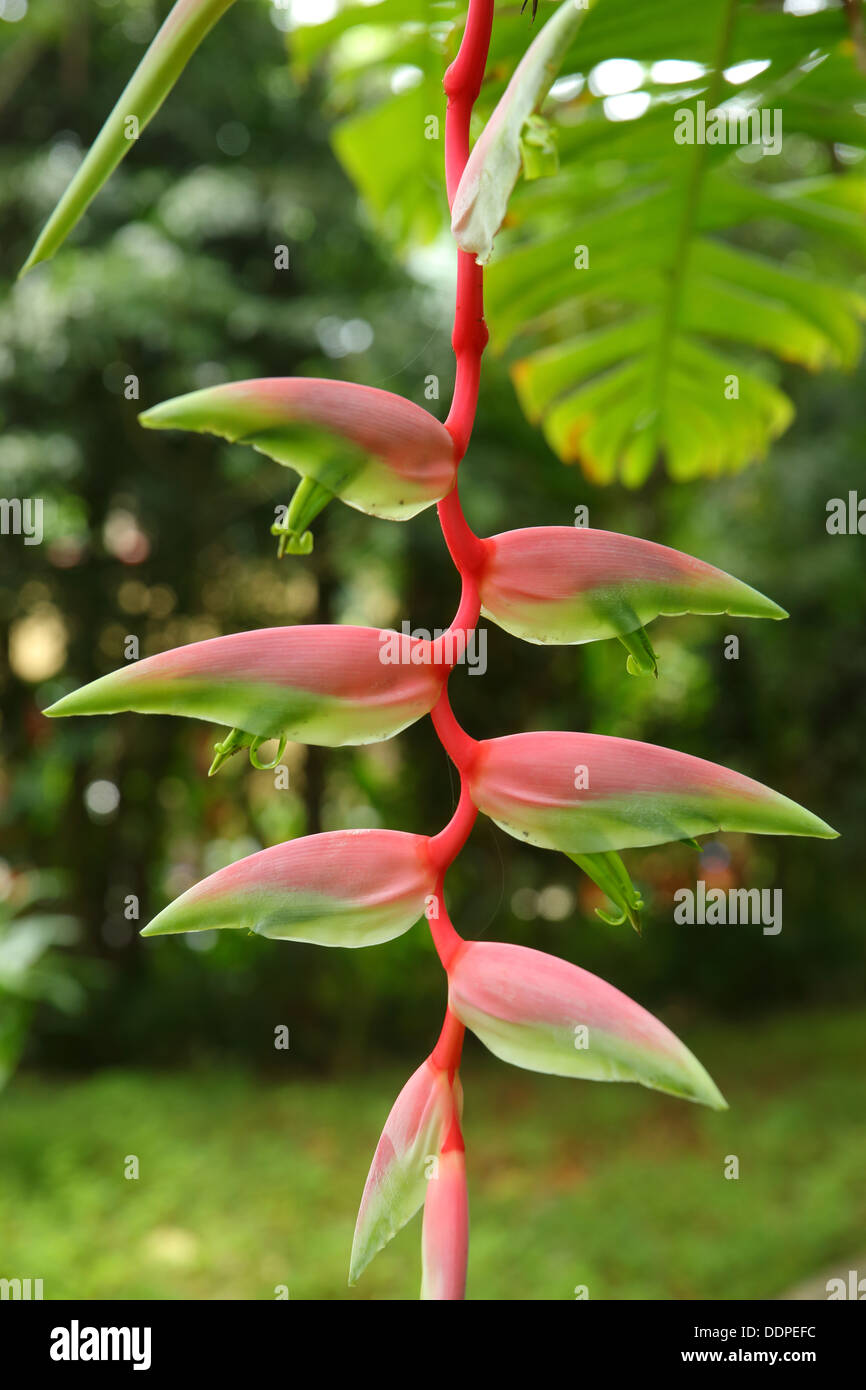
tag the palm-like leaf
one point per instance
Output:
(669, 308)
(697, 272)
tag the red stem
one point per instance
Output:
(467, 550)
(446, 1053)
(466, 617)
(446, 940)
(469, 339)
(460, 746)
(462, 84)
(445, 847)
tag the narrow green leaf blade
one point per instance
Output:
(185, 27)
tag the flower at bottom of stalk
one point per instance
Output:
(545, 1014)
(407, 1160)
(308, 499)
(445, 1234)
(612, 877)
(342, 888)
(237, 739)
(610, 874)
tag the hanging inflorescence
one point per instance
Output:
(585, 795)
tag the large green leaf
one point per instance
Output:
(706, 271)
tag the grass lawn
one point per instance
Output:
(245, 1185)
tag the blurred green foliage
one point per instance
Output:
(244, 1187)
(31, 970)
(171, 280)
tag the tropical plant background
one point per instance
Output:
(306, 125)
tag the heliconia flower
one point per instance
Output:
(184, 28)
(341, 888)
(491, 171)
(385, 456)
(406, 1160)
(545, 1014)
(445, 1234)
(590, 793)
(572, 584)
(327, 684)
(608, 871)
